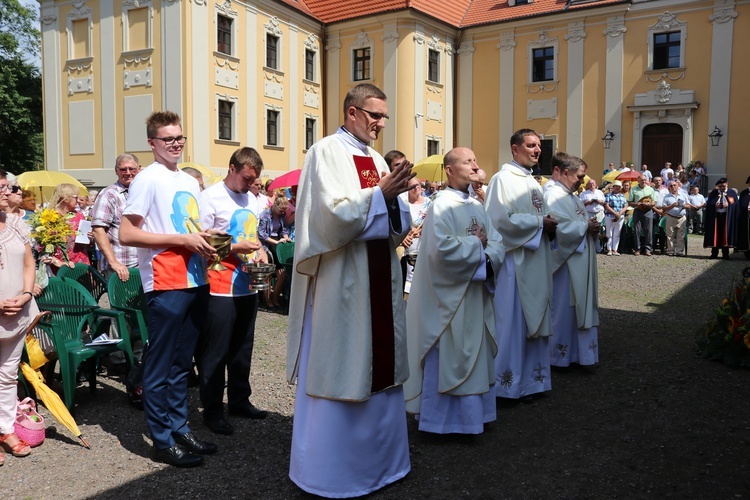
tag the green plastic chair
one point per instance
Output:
(128, 297)
(74, 311)
(91, 279)
(285, 253)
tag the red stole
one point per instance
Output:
(381, 300)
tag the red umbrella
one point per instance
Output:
(286, 180)
(630, 175)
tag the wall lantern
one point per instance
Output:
(715, 136)
(608, 139)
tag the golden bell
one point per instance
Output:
(222, 243)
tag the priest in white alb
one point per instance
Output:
(523, 296)
(575, 292)
(450, 322)
(346, 344)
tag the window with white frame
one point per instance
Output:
(224, 34)
(667, 38)
(433, 147)
(310, 132)
(543, 64)
(226, 120)
(543, 58)
(361, 64)
(136, 22)
(433, 65)
(273, 127)
(310, 65)
(272, 51)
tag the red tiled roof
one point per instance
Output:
(457, 13)
(494, 11)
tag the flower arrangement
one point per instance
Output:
(727, 336)
(50, 231)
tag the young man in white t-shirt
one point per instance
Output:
(226, 343)
(161, 218)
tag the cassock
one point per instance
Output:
(523, 296)
(450, 321)
(720, 225)
(742, 241)
(575, 293)
(346, 342)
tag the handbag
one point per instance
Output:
(29, 425)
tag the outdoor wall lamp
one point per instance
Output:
(715, 136)
(608, 139)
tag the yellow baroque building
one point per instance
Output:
(661, 80)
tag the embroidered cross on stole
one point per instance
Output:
(381, 300)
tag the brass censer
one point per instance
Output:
(260, 272)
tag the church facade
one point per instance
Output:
(637, 81)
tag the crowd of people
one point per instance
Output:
(407, 297)
(156, 219)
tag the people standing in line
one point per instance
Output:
(106, 216)
(346, 345)
(450, 320)
(721, 219)
(523, 292)
(161, 218)
(575, 294)
(227, 339)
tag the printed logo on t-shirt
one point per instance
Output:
(177, 267)
(243, 226)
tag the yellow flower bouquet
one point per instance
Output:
(50, 232)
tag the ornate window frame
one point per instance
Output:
(79, 12)
(225, 10)
(362, 41)
(273, 27)
(541, 42)
(311, 45)
(316, 120)
(127, 6)
(667, 23)
(434, 46)
(234, 100)
(279, 127)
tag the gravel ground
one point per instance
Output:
(653, 421)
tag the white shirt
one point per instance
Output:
(596, 194)
(258, 203)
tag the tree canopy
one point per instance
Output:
(21, 125)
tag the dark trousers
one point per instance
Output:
(175, 318)
(643, 222)
(227, 343)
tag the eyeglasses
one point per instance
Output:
(171, 141)
(124, 170)
(375, 116)
(10, 189)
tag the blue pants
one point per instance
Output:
(226, 344)
(175, 318)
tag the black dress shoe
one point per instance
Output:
(219, 426)
(247, 411)
(195, 445)
(178, 456)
